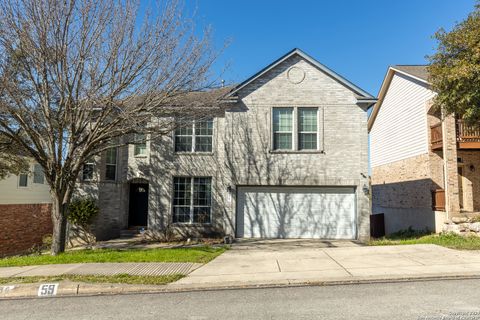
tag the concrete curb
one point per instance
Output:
(70, 289)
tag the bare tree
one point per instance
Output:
(11, 161)
(75, 75)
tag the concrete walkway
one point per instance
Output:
(104, 269)
(264, 264)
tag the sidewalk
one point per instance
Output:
(269, 265)
(103, 269)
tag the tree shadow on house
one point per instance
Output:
(406, 204)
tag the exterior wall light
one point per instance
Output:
(365, 189)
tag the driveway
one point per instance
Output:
(282, 262)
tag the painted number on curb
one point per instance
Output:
(6, 289)
(47, 290)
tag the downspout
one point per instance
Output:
(445, 161)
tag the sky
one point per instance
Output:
(357, 39)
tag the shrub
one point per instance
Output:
(37, 249)
(82, 211)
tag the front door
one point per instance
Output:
(138, 210)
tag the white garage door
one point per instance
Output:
(296, 212)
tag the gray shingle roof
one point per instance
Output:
(419, 71)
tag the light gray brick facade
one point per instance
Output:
(242, 155)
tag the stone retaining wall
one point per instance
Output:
(463, 225)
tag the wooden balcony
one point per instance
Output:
(438, 200)
(468, 136)
(436, 136)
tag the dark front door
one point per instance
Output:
(138, 210)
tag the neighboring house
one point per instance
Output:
(287, 158)
(25, 211)
(423, 169)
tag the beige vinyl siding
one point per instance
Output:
(12, 193)
(400, 130)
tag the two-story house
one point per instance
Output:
(287, 158)
(423, 164)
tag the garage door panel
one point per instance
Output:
(289, 212)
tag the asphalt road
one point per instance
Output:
(459, 299)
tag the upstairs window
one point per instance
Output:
(38, 176)
(295, 129)
(23, 180)
(111, 164)
(140, 141)
(192, 200)
(283, 128)
(307, 128)
(195, 136)
(88, 167)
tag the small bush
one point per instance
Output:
(46, 244)
(475, 218)
(82, 211)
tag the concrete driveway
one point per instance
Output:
(280, 262)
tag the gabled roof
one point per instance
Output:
(362, 93)
(415, 72)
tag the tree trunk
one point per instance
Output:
(59, 221)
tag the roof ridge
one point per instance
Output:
(410, 65)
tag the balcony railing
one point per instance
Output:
(438, 200)
(468, 136)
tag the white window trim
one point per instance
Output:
(191, 206)
(301, 132)
(112, 164)
(42, 173)
(296, 131)
(92, 163)
(147, 146)
(291, 132)
(193, 136)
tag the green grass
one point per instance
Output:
(449, 240)
(121, 278)
(194, 254)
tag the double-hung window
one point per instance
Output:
(283, 128)
(23, 180)
(194, 136)
(140, 141)
(295, 129)
(307, 128)
(38, 176)
(192, 199)
(111, 164)
(88, 167)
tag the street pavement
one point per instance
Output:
(451, 299)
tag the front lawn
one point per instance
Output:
(193, 254)
(121, 278)
(449, 240)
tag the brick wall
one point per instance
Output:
(403, 184)
(23, 226)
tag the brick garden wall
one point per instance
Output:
(22, 226)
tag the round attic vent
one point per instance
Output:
(295, 75)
